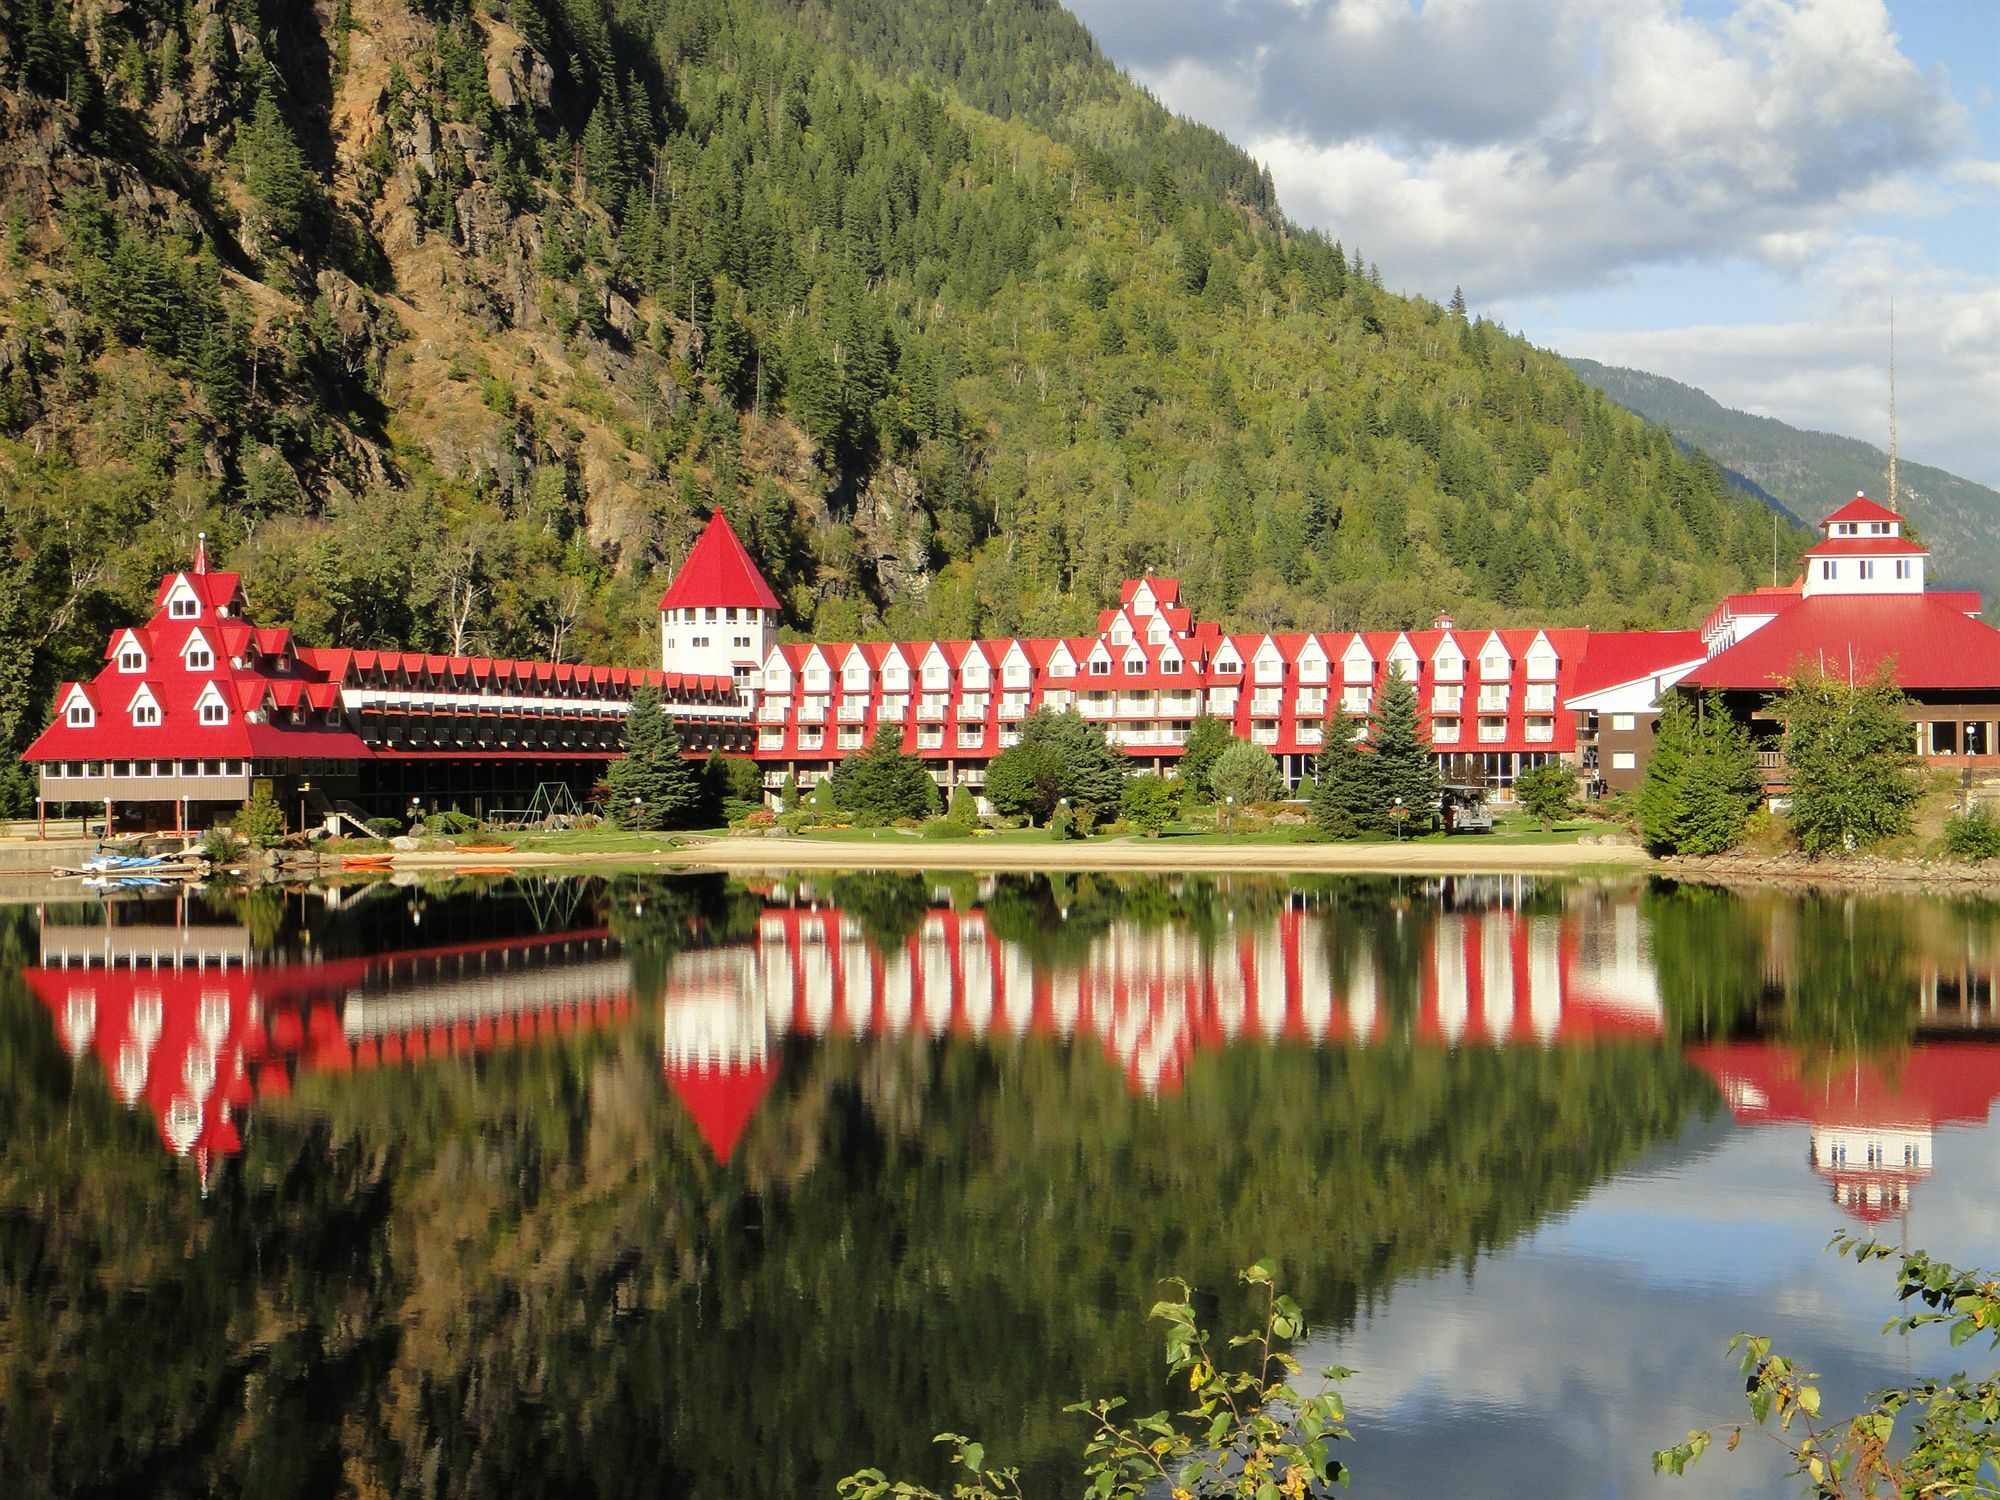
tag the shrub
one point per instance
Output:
(793, 821)
(261, 820)
(221, 845)
(944, 828)
(964, 809)
(1973, 835)
(385, 828)
(1546, 792)
(763, 817)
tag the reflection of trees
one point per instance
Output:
(654, 917)
(889, 907)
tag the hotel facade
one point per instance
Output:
(196, 705)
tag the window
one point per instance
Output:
(1826, 568)
(1865, 568)
(131, 659)
(1171, 665)
(145, 713)
(1135, 666)
(1902, 567)
(213, 712)
(182, 607)
(1624, 721)
(80, 715)
(740, 642)
(1228, 668)
(1624, 760)
(708, 617)
(1099, 667)
(200, 658)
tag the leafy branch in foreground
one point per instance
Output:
(1955, 1446)
(1248, 1433)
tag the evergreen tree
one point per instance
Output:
(1403, 765)
(1148, 803)
(882, 782)
(275, 171)
(1207, 738)
(1061, 757)
(653, 786)
(1246, 773)
(1701, 779)
(1346, 797)
(1850, 757)
(1546, 792)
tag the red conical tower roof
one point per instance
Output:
(718, 574)
(721, 1098)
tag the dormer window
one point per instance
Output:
(1171, 665)
(213, 712)
(1121, 634)
(145, 713)
(130, 657)
(1100, 666)
(80, 714)
(183, 607)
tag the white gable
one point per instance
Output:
(1226, 655)
(936, 669)
(1098, 653)
(1448, 661)
(896, 670)
(210, 700)
(1135, 659)
(143, 698)
(77, 702)
(182, 601)
(1312, 660)
(130, 652)
(777, 672)
(1542, 659)
(976, 669)
(1144, 601)
(1404, 655)
(1061, 662)
(1493, 658)
(195, 642)
(1357, 663)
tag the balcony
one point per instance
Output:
(1014, 706)
(1310, 734)
(1447, 700)
(1444, 731)
(770, 712)
(1266, 704)
(812, 711)
(1541, 731)
(1492, 731)
(930, 739)
(931, 710)
(1493, 700)
(1541, 698)
(853, 710)
(1264, 734)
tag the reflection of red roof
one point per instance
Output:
(721, 1098)
(1935, 645)
(1943, 1083)
(1861, 508)
(718, 573)
(1614, 657)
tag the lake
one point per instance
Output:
(681, 1185)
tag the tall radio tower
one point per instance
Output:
(1892, 403)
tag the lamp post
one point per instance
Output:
(1399, 813)
(637, 804)
(1229, 818)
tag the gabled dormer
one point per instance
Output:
(1144, 601)
(1098, 663)
(197, 653)
(895, 671)
(1228, 661)
(1448, 660)
(1120, 633)
(935, 673)
(129, 652)
(78, 711)
(815, 673)
(1267, 663)
(1313, 662)
(1133, 662)
(144, 708)
(183, 600)
(211, 708)
(975, 671)
(855, 673)
(1062, 662)
(1542, 659)
(1016, 671)
(1403, 658)
(777, 672)
(1357, 662)
(1495, 665)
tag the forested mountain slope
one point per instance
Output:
(1808, 471)
(450, 319)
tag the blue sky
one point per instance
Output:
(1727, 192)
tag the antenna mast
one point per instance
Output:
(1892, 403)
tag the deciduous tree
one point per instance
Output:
(1849, 755)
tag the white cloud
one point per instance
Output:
(1551, 146)
(1827, 367)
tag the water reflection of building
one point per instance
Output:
(1871, 1122)
(197, 1019)
(1152, 995)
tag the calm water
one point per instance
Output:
(677, 1186)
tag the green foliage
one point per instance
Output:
(653, 786)
(1246, 773)
(1250, 1429)
(385, 828)
(1850, 758)
(220, 844)
(1701, 779)
(275, 171)
(788, 794)
(1347, 796)
(1207, 738)
(1546, 792)
(260, 821)
(964, 808)
(880, 781)
(1149, 803)
(1973, 835)
(1402, 766)
(1060, 757)
(1953, 1445)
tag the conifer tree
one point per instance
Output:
(1207, 738)
(1701, 779)
(1849, 753)
(881, 781)
(1403, 764)
(653, 786)
(1346, 798)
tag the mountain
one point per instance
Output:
(450, 320)
(1808, 472)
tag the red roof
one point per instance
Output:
(721, 1098)
(1614, 657)
(718, 573)
(1867, 546)
(1861, 508)
(1935, 646)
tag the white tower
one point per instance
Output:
(718, 617)
(1864, 552)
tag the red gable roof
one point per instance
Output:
(718, 573)
(1620, 656)
(1861, 508)
(1935, 646)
